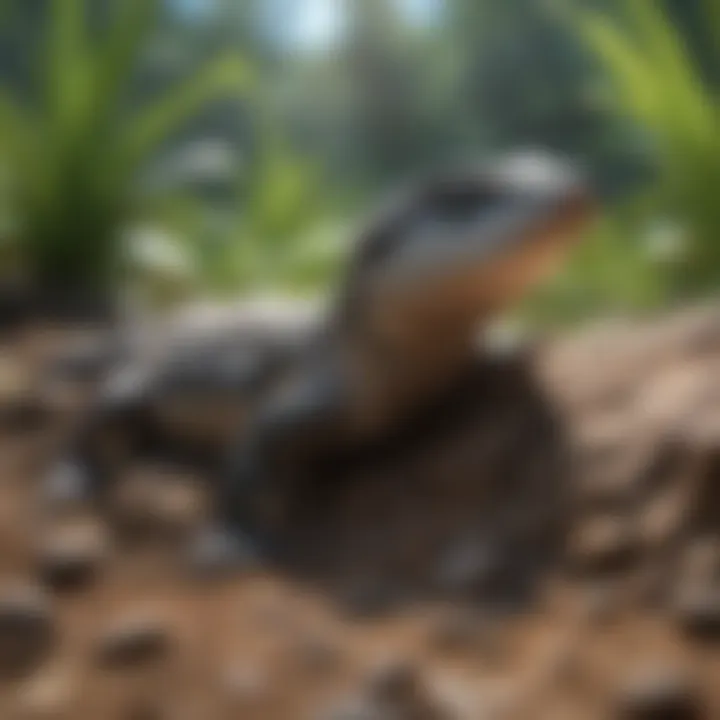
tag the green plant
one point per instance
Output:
(657, 83)
(279, 235)
(73, 158)
(284, 216)
(612, 271)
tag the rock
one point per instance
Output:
(24, 416)
(72, 556)
(144, 710)
(701, 561)
(609, 478)
(659, 694)
(21, 407)
(563, 664)
(65, 489)
(468, 631)
(602, 546)
(367, 710)
(650, 586)
(700, 429)
(395, 681)
(671, 393)
(354, 710)
(469, 567)
(159, 501)
(217, 552)
(317, 655)
(27, 629)
(133, 640)
(395, 690)
(389, 693)
(454, 630)
(47, 696)
(245, 685)
(665, 517)
(368, 598)
(601, 603)
(697, 610)
(84, 359)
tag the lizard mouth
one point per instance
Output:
(494, 232)
(476, 242)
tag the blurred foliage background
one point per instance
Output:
(166, 149)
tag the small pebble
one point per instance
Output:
(159, 501)
(701, 560)
(143, 710)
(27, 629)
(21, 409)
(353, 709)
(697, 610)
(216, 553)
(454, 630)
(468, 631)
(73, 556)
(395, 690)
(317, 655)
(604, 545)
(601, 603)
(133, 641)
(47, 696)
(395, 681)
(368, 598)
(65, 488)
(468, 567)
(659, 695)
(245, 685)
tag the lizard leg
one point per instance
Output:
(116, 424)
(266, 466)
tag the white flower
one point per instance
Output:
(155, 250)
(666, 241)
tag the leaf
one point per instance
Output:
(131, 23)
(665, 49)
(67, 63)
(660, 86)
(12, 118)
(72, 160)
(224, 76)
(712, 13)
(18, 133)
(632, 75)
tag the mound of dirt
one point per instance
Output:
(542, 545)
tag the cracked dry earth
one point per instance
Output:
(544, 546)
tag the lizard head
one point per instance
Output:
(468, 243)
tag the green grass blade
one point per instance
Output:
(712, 13)
(131, 24)
(674, 67)
(226, 75)
(12, 118)
(67, 63)
(632, 75)
(18, 136)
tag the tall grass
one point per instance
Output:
(661, 245)
(657, 82)
(72, 159)
(281, 234)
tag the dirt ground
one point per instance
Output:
(544, 546)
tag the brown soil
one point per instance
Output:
(545, 546)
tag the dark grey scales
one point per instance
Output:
(186, 384)
(443, 257)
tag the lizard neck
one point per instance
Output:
(397, 362)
